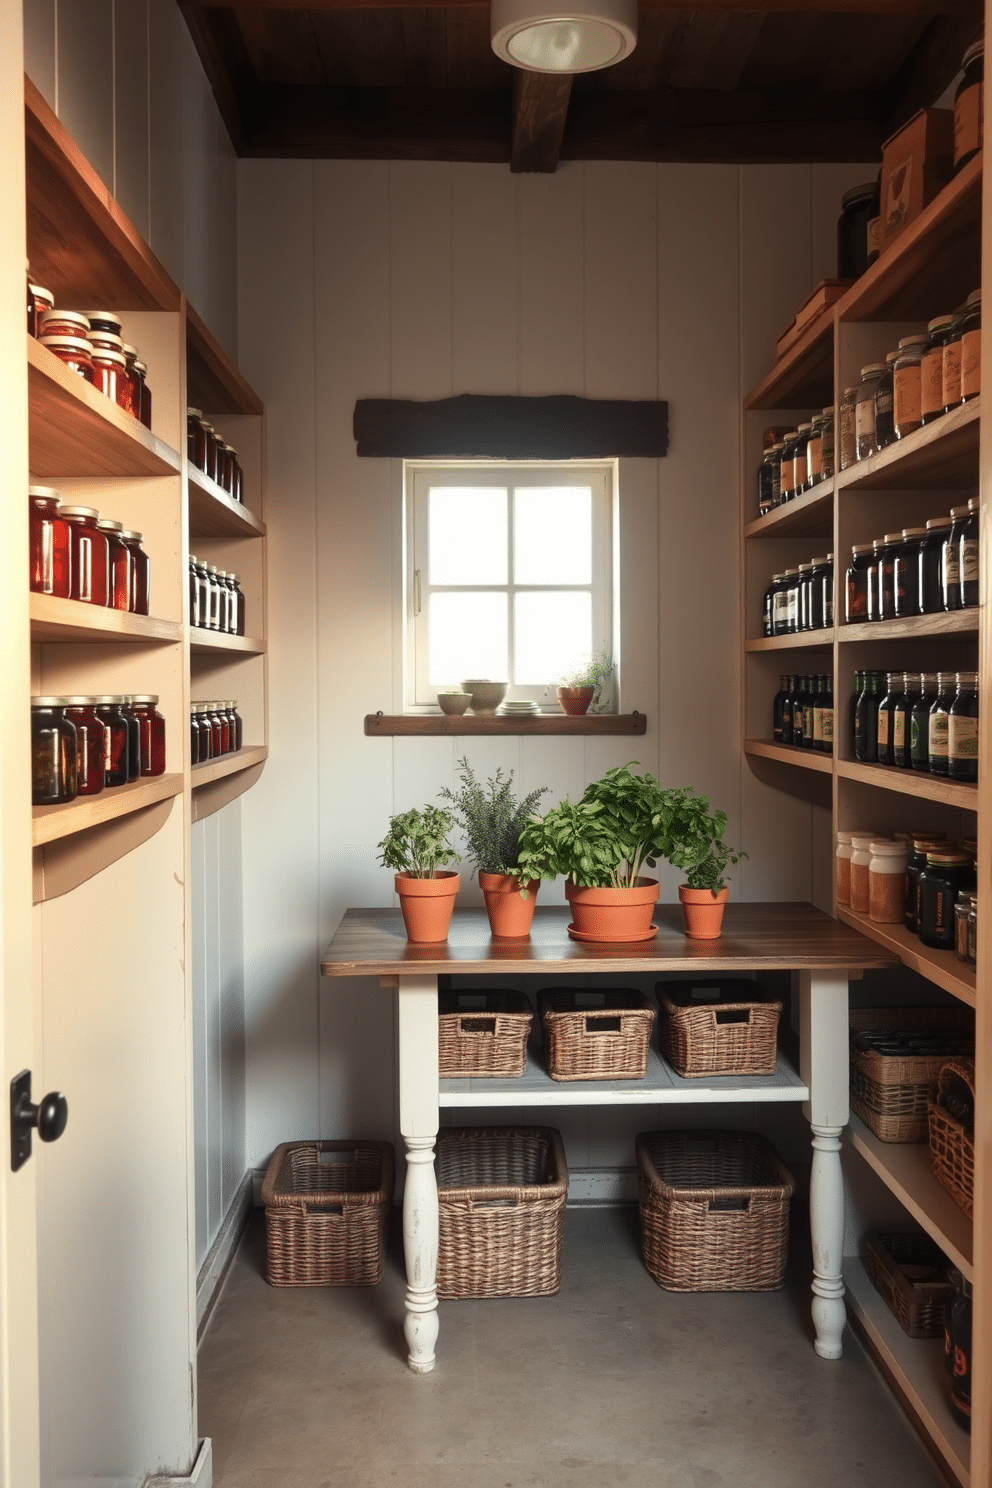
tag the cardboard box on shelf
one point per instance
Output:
(916, 162)
(816, 304)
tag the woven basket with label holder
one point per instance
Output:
(718, 1028)
(326, 1206)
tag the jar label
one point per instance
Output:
(864, 420)
(874, 230)
(883, 729)
(971, 363)
(883, 401)
(968, 122)
(952, 373)
(962, 737)
(906, 398)
(952, 564)
(938, 735)
(780, 607)
(848, 448)
(828, 726)
(817, 724)
(969, 560)
(932, 381)
(814, 458)
(828, 611)
(899, 729)
(799, 472)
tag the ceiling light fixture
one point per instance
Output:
(580, 37)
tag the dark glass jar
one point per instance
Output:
(145, 414)
(194, 735)
(799, 711)
(237, 726)
(194, 595)
(864, 410)
(971, 347)
(887, 575)
(765, 486)
(875, 579)
(108, 709)
(906, 582)
(210, 468)
(942, 878)
(940, 712)
(132, 394)
(203, 586)
(218, 744)
(856, 607)
(91, 745)
(804, 597)
(140, 572)
(827, 444)
(973, 933)
(196, 439)
(932, 368)
(962, 910)
(119, 565)
(75, 354)
(213, 598)
(885, 432)
(206, 732)
(225, 465)
(53, 753)
(814, 453)
(237, 479)
(152, 732)
(817, 614)
(866, 718)
(932, 565)
(800, 458)
(847, 438)
(809, 712)
(786, 480)
(968, 105)
(858, 206)
(962, 729)
(906, 414)
(950, 576)
(901, 719)
(88, 556)
(919, 722)
(223, 601)
(919, 845)
(788, 687)
(133, 739)
(968, 555)
(49, 570)
(775, 476)
(232, 604)
(827, 703)
(886, 718)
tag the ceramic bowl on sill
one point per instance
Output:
(486, 695)
(453, 702)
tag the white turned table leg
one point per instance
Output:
(418, 1124)
(824, 1063)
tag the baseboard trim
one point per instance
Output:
(201, 1475)
(221, 1253)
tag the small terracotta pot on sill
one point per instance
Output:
(575, 700)
(427, 905)
(510, 916)
(703, 910)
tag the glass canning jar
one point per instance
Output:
(203, 586)
(973, 932)
(940, 712)
(932, 368)
(88, 556)
(66, 323)
(892, 542)
(212, 443)
(884, 418)
(133, 739)
(950, 574)
(206, 732)
(43, 300)
(804, 584)
(194, 735)
(800, 458)
(886, 717)
(237, 725)
(962, 729)
(145, 393)
(856, 604)
(962, 909)
(196, 439)
(971, 347)
(76, 355)
(106, 321)
(91, 745)
(847, 440)
(920, 843)
(119, 564)
(901, 719)
(906, 580)
(932, 565)
(951, 372)
(213, 598)
(887, 882)
(225, 466)
(132, 405)
(919, 723)
(875, 579)
(107, 708)
(945, 874)
(776, 473)
(232, 603)
(152, 732)
(906, 415)
(140, 572)
(864, 410)
(827, 443)
(787, 466)
(814, 453)
(968, 555)
(49, 571)
(194, 595)
(765, 501)
(53, 753)
(110, 376)
(968, 105)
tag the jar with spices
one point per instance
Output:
(968, 555)
(68, 324)
(119, 565)
(847, 441)
(971, 347)
(151, 726)
(860, 864)
(894, 685)
(140, 572)
(91, 745)
(48, 571)
(945, 874)
(842, 869)
(887, 882)
(108, 709)
(196, 439)
(906, 579)
(962, 729)
(969, 105)
(43, 300)
(962, 910)
(787, 484)
(920, 843)
(906, 414)
(866, 718)
(88, 556)
(932, 368)
(76, 355)
(919, 722)
(901, 715)
(932, 565)
(952, 362)
(827, 444)
(856, 604)
(53, 753)
(145, 393)
(864, 410)
(814, 453)
(951, 562)
(887, 574)
(885, 432)
(940, 714)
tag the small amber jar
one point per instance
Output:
(76, 354)
(132, 402)
(152, 727)
(210, 466)
(133, 739)
(65, 323)
(119, 564)
(196, 439)
(239, 601)
(146, 394)
(49, 571)
(906, 415)
(91, 745)
(108, 709)
(969, 105)
(53, 753)
(206, 733)
(88, 556)
(237, 725)
(195, 733)
(140, 573)
(237, 477)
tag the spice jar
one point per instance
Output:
(88, 556)
(140, 572)
(860, 861)
(968, 554)
(53, 753)
(962, 910)
(919, 722)
(133, 739)
(145, 392)
(906, 414)
(152, 732)
(968, 105)
(920, 843)
(932, 368)
(962, 729)
(196, 439)
(887, 882)
(942, 878)
(901, 716)
(864, 410)
(119, 563)
(74, 353)
(68, 324)
(951, 566)
(48, 570)
(91, 745)
(932, 565)
(906, 573)
(787, 467)
(856, 604)
(884, 418)
(766, 480)
(842, 868)
(108, 709)
(971, 347)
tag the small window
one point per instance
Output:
(509, 574)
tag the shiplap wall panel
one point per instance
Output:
(484, 280)
(420, 279)
(620, 280)
(132, 160)
(552, 282)
(165, 139)
(39, 47)
(85, 87)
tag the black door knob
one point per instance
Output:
(50, 1117)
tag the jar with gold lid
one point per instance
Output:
(108, 708)
(88, 556)
(91, 745)
(119, 564)
(43, 300)
(106, 322)
(152, 732)
(49, 571)
(140, 572)
(110, 376)
(906, 415)
(73, 352)
(53, 753)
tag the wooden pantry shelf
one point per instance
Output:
(204, 641)
(803, 640)
(787, 754)
(952, 623)
(218, 782)
(49, 823)
(384, 725)
(75, 430)
(940, 967)
(69, 620)
(915, 1365)
(804, 376)
(213, 383)
(959, 793)
(212, 512)
(809, 515)
(905, 1169)
(943, 454)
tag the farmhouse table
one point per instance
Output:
(821, 952)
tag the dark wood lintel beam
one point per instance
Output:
(540, 106)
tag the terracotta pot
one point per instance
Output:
(427, 904)
(703, 911)
(575, 699)
(613, 914)
(509, 915)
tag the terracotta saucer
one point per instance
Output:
(620, 940)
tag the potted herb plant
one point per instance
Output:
(581, 690)
(417, 847)
(697, 845)
(492, 819)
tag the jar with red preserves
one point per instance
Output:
(196, 439)
(88, 556)
(152, 728)
(133, 396)
(43, 300)
(146, 393)
(91, 745)
(65, 323)
(119, 565)
(76, 354)
(110, 376)
(210, 467)
(49, 571)
(140, 572)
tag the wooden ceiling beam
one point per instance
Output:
(540, 107)
(860, 7)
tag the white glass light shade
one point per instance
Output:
(579, 37)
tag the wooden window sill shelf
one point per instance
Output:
(384, 725)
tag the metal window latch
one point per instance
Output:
(50, 1117)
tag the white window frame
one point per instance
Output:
(420, 475)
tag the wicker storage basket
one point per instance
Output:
(595, 1035)
(718, 1028)
(891, 1092)
(714, 1211)
(482, 1033)
(952, 1144)
(326, 1206)
(911, 1273)
(501, 1204)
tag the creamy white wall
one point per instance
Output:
(424, 280)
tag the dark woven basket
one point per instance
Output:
(952, 1146)
(325, 1221)
(482, 1033)
(731, 1031)
(714, 1211)
(911, 1273)
(601, 1034)
(501, 1205)
(891, 1092)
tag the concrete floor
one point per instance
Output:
(612, 1382)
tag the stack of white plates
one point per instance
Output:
(518, 709)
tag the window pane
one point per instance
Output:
(552, 635)
(467, 535)
(467, 637)
(552, 535)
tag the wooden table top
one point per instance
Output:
(774, 937)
